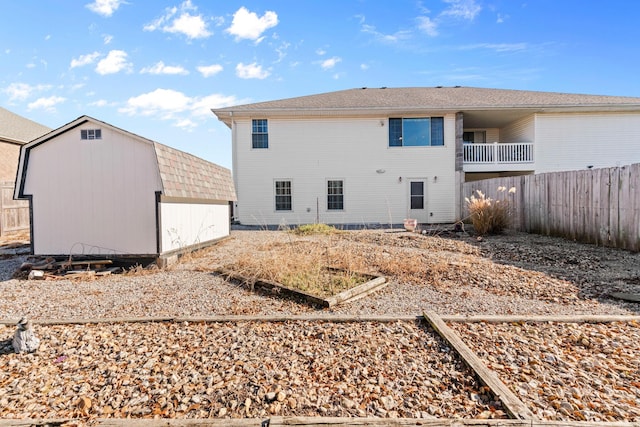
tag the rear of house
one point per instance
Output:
(377, 156)
(95, 189)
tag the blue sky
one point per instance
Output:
(157, 67)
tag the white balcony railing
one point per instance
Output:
(498, 153)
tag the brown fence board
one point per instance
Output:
(14, 214)
(599, 206)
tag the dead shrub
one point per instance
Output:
(490, 216)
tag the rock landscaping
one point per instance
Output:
(373, 357)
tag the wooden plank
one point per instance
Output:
(338, 318)
(308, 422)
(543, 318)
(512, 404)
(358, 292)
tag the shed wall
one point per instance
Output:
(93, 196)
(376, 177)
(187, 224)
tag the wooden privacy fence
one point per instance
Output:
(14, 214)
(599, 206)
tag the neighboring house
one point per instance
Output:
(15, 131)
(95, 189)
(376, 156)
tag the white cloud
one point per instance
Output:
(22, 91)
(84, 59)
(427, 25)
(201, 107)
(321, 52)
(161, 68)
(160, 101)
(104, 7)
(185, 124)
(465, 9)
(115, 62)
(209, 70)
(179, 20)
(47, 104)
(169, 104)
(99, 103)
(247, 25)
(498, 47)
(251, 71)
(47, 37)
(107, 38)
(364, 67)
(328, 64)
(385, 38)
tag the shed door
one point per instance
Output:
(418, 199)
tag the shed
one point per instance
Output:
(98, 190)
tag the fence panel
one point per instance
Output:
(600, 206)
(14, 214)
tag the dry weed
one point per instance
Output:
(490, 216)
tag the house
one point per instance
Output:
(376, 156)
(95, 189)
(15, 131)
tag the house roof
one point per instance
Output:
(183, 175)
(17, 129)
(413, 99)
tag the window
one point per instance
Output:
(417, 194)
(91, 134)
(259, 133)
(416, 132)
(335, 195)
(283, 195)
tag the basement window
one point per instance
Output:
(91, 134)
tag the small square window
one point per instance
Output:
(91, 134)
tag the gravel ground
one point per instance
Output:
(565, 371)
(313, 368)
(249, 369)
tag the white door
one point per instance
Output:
(418, 199)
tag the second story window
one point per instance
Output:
(416, 132)
(259, 133)
(91, 134)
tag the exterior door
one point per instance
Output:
(418, 199)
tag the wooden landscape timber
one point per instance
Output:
(515, 408)
(308, 422)
(373, 284)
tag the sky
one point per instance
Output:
(156, 67)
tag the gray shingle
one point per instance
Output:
(16, 128)
(431, 98)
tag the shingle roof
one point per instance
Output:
(185, 175)
(15, 128)
(456, 98)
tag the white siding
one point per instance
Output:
(93, 197)
(185, 224)
(575, 141)
(522, 130)
(309, 152)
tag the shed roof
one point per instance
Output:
(456, 98)
(18, 129)
(183, 175)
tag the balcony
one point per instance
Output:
(494, 157)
